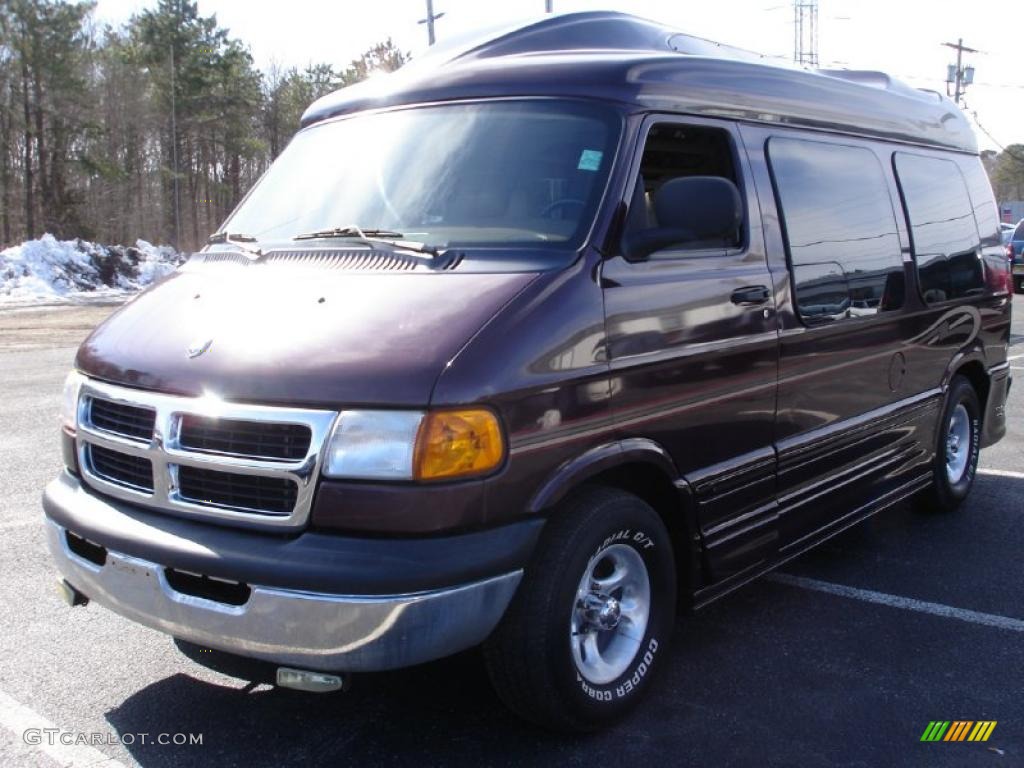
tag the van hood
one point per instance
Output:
(311, 338)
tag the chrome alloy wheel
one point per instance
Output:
(958, 444)
(610, 615)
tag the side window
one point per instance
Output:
(986, 214)
(942, 227)
(839, 227)
(685, 197)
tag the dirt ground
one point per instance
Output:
(50, 326)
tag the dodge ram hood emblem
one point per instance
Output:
(198, 348)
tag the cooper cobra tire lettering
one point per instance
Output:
(557, 658)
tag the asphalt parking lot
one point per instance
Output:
(844, 659)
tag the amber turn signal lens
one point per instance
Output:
(458, 443)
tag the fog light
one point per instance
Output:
(70, 595)
(307, 680)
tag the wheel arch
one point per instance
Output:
(644, 468)
(971, 365)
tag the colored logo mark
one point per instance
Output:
(199, 348)
(958, 730)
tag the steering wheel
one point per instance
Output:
(561, 203)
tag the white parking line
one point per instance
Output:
(19, 719)
(895, 601)
(1002, 473)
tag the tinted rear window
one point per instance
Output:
(840, 229)
(942, 227)
(986, 214)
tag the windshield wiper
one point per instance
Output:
(236, 239)
(372, 237)
(349, 231)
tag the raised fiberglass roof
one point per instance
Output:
(651, 67)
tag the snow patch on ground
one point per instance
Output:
(48, 270)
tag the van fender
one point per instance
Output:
(972, 354)
(574, 472)
(994, 396)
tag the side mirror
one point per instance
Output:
(691, 212)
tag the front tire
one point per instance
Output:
(593, 617)
(957, 449)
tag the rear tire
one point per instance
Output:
(957, 447)
(1018, 285)
(592, 618)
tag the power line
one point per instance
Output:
(982, 128)
(999, 85)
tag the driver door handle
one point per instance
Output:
(751, 295)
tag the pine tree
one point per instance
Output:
(154, 129)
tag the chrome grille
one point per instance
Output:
(132, 471)
(252, 465)
(226, 489)
(244, 438)
(122, 419)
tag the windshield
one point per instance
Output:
(1019, 233)
(496, 173)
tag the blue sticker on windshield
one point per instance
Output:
(590, 160)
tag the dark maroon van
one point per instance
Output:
(532, 344)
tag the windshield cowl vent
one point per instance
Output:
(362, 260)
(341, 259)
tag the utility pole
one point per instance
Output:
(429, 21)
(958, 75)
(805, 33)
(549, 6)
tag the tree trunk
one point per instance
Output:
(30, 221)
(170, 190)
(236, 180)
(45, 182)
(5, 165)
(206, 188)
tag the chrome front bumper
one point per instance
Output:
(311, 630)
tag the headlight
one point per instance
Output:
(411, 445)
(377, 445)
(69, 401)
